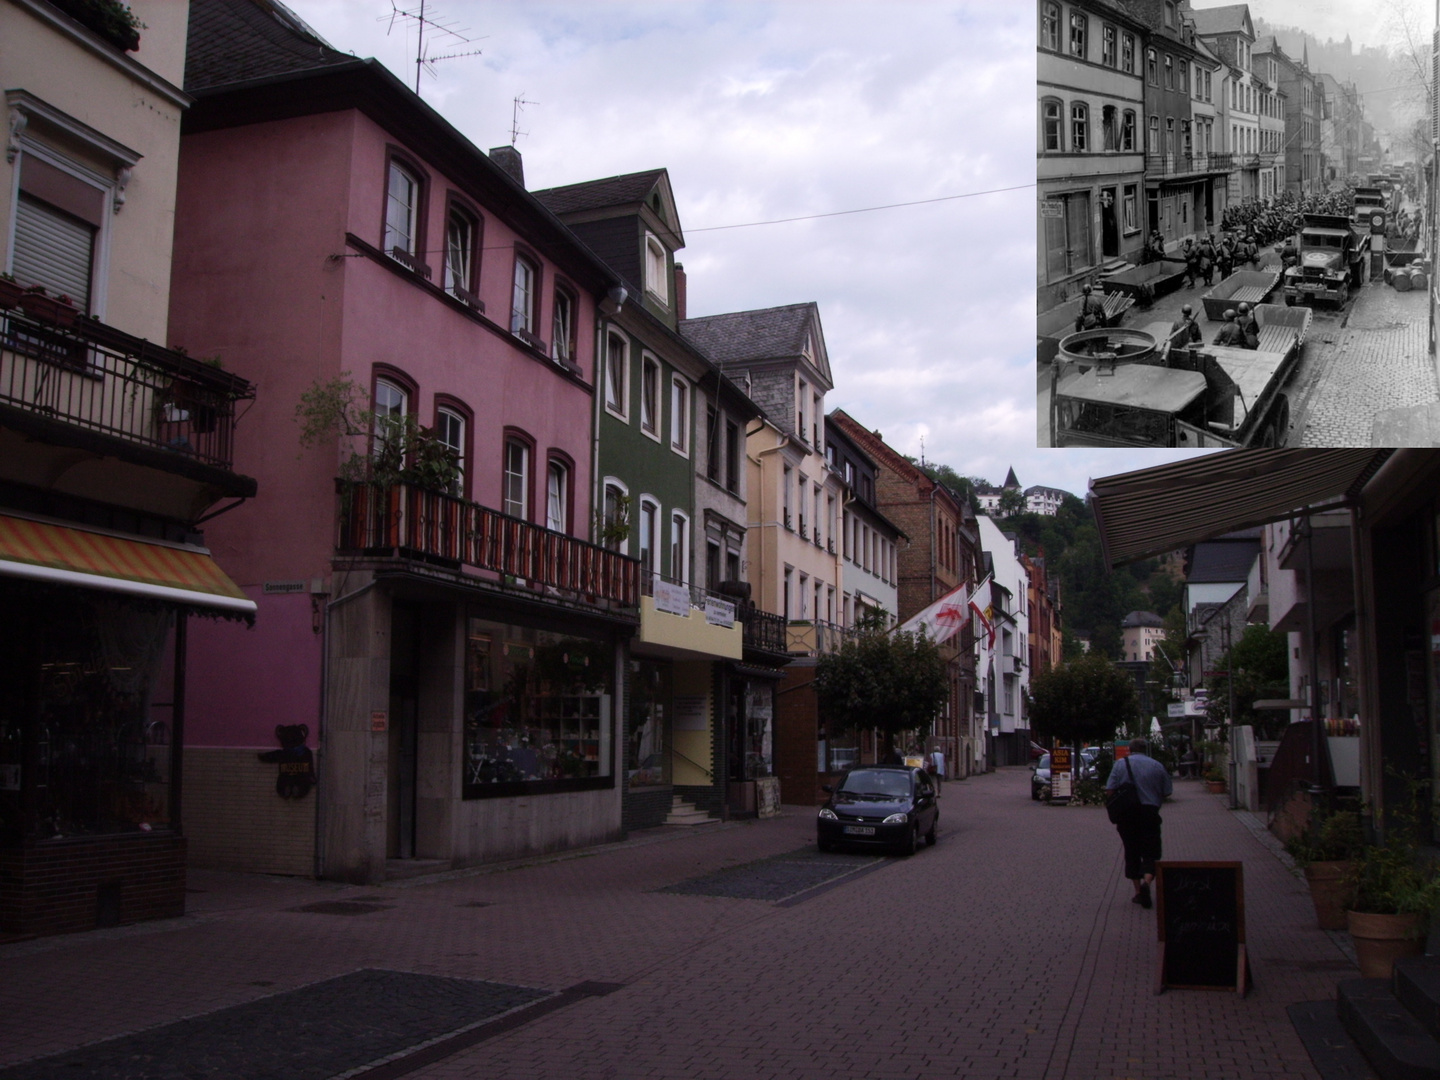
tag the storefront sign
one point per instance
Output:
(1175, 709)
(690, 713)
(719, 612)
(674, 599)
(379, 721)
(1060, 778)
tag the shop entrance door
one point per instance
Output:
(404, 701)
(1109, 229)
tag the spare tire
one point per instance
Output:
(1377, 220)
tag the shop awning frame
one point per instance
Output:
(33, 549)
(1151, 511)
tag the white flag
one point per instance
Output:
(943, 619)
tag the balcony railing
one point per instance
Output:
(672, 596)
(812, 638)
(1179, 164)
(406, 521)
(763, 630)
(62, 367)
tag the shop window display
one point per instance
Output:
(537, 711)
(84, 682)
(647, 757)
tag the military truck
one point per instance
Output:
(1372, 210)
(1129, 387)
(1332, 261)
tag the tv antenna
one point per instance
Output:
(450, 30)
(520, 103)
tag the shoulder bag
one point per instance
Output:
(1124, 798)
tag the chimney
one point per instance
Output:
(508, 158)
(679, 291)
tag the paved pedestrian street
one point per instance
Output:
(1010, 949)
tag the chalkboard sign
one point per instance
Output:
(1200, 912)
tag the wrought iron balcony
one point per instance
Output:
(763, 630)
(408, 522)
(671, 595)
(62, 367)
(811, 638)
(1181, 164)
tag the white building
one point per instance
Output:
(1140, 632)
(1003, 674)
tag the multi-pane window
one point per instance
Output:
(557, 494)
(562, 328)
(392, 404)
(1127, 130)
(655, 267)
(650, 396)
(1129, 218)
(1152, 67)
(459, 253)
(1050, 26)
(649, 522)
(817, 414)
(1154, 145)
(616, 359)
(1050, 112)
(679, 548)
(450, 433)
(732, 456)
(1110, 127)
(679, 415)
(1077, 34)
(1127, 53)
(517, 479)
(1108, 51)
(402, 204)
(522, 304)
(614, 517)
(1079, 126)
(1169, 72)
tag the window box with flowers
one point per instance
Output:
(112, 20)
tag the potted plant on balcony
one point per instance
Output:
(57, 309)
(1326, 853)
(10, 291)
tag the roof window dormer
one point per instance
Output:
(656, 270)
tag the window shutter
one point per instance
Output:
(54, 250)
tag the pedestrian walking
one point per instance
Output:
(1207, 259)
(1139, 825)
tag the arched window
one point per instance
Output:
(1078, 28)
(1050, 26)
(516, 494)
(450, 433)
(1053, 140)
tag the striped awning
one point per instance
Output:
(66, 555)
(1151, 511)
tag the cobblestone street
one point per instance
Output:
(1011, 949)
(1378, 360)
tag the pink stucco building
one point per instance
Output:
(454, 658)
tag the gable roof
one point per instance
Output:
(1222, 561)
(233, 42)
(777, 333)
(1230, 19)
(647, 194)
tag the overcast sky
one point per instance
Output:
(778, 110)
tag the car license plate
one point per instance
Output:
(860, 830)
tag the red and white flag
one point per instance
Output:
(987, 625)
(943, 619)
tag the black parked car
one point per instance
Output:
(890, 805)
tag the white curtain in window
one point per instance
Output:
(555, 497)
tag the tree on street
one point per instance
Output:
(1082, 701)
(893, 682)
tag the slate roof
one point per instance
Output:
(763, 334)
(1222, 561)
(233, 41)
(593, 194)
(1220, 20)
(1011, 481)
(1142, 618)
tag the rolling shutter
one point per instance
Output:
(53, 249)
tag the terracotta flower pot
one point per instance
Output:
(1380, 940)
(1329, 892)
(1215, 787)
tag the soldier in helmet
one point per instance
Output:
(1186, 331)
(1249, 327)
(1230, 334)
(1092, 311)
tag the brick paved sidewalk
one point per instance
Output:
(1010, 949)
